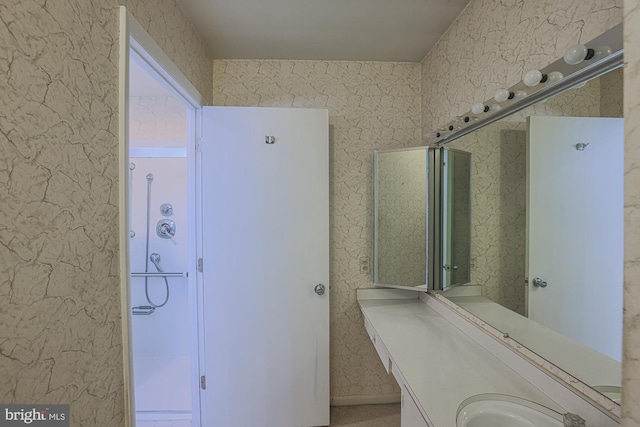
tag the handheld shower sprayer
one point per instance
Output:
(155, 259)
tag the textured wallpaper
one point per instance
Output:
(59, 274)
(631, 347)
(170, 28)
(611, 89)
(372, 105)
(460, 215)
(493, 42)
(402, 217)
(157, 117)
(59, 286)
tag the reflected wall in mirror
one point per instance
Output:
(570, 310)
(400, 240)
(456, 217)
(402, 181)
(450, 218)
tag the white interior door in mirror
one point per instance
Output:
(265, 192)
(575, 228)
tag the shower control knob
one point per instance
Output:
(319, 289)
(166, 209)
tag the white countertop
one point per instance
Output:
(441, 365)
(564, 352)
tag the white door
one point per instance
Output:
(265, 248)
(575, 228)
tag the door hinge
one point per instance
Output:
(198, 145)
(200, 265)
(203, 382)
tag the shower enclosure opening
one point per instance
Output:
(160, 243)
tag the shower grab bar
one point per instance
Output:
(183, 274)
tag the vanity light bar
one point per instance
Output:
(609, 57)
(615, 60)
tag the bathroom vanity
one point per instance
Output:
(439, 359)
(515, 228)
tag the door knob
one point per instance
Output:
(539, 282)
(319, 289)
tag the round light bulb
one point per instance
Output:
(532, 77)
(554, 77)
(576, 54)
(519, 94)
(478, 108)
(501, 95)
(494, 108)
(601, 52)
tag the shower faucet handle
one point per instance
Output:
(166, 228)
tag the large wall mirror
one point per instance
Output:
(547, 229)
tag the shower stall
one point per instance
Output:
(159, 288)
(160, 244)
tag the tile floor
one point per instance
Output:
(341, 416)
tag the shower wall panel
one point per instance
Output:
(161, 347)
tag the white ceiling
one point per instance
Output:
(355, 30)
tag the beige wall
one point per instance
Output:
(155, 119)
(611, 94)
(170, 28)
(372, 105)
(59, 290)
(59, 287)
(631, 338)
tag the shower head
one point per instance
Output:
(155, 259)
(149, 177)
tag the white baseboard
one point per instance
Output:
(365, 400)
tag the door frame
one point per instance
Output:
(134, 39)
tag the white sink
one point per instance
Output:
(496, 410)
